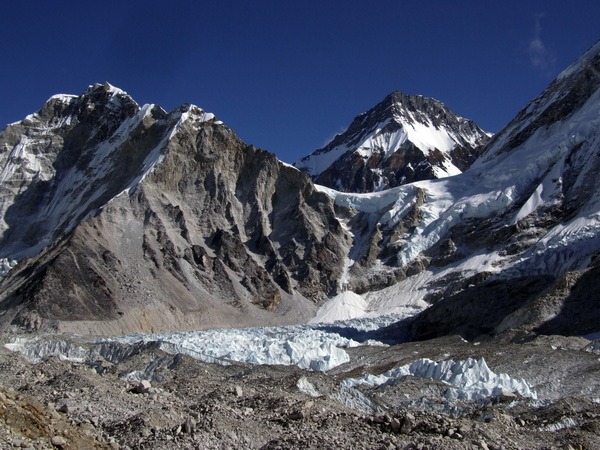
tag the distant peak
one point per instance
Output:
(408, 102)
(106, 87)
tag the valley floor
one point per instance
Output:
(194, 404)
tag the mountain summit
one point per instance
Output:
(404, 138)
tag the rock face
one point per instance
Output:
(156, 221)
(404, 138)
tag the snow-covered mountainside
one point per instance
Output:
(404, 138)
(511, 242)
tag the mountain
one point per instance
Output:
(134, 219)
(510, 243)
(403, 139)
(131, 219)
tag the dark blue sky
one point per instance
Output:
(288, 75)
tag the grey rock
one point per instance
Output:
(296, 415)
(64, 408)
(143, 387)
(59, 441)
(188, 426)
(408, 424)
(505, 396)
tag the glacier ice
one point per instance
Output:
(470, 379)
(307, 387)
(6, 265)
(315, 347)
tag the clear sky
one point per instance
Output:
(288, 75)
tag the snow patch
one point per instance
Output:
(65, 98)
(427, 137)
(566, 422)
(346, 305)
(6, 266)
(356, 400)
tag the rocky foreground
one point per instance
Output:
(193, 404)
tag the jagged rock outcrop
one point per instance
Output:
(157, 221)
(403, 139)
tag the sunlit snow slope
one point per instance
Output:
(529, 208)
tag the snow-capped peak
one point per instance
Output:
(402, 139)
(113, 90)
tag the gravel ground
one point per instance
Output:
(192, 404)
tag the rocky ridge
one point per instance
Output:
(197, 229)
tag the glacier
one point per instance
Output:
(470, 379)
(315, 347)
(312, 347)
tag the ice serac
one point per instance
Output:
(135, 219)
(470, 379)
(510, 243)
(404, 138)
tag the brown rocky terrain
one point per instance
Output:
(61, 404)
